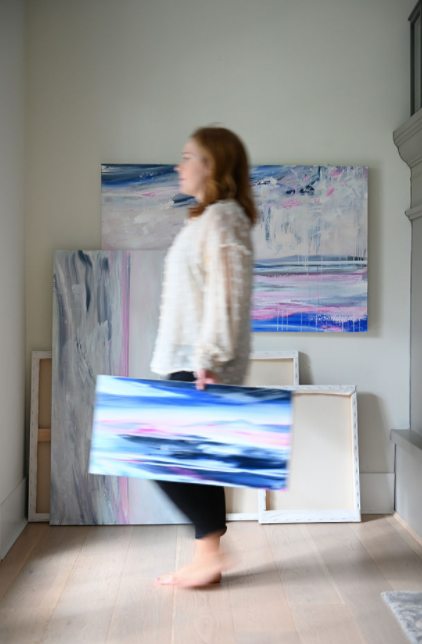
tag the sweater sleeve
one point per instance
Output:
(227, 266)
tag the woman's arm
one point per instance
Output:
(227, 262)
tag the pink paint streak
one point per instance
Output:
(291, 203)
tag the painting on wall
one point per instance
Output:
(225, 435)
(105, 316)
(141, 206)
(310, 240)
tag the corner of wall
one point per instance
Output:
(12, 518)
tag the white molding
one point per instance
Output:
(280, 355)
(396, 517)
(414, 213)
(408, 129)
(242, 516)
(408, 440)
(321, 516)
(12, 517)
(416, 171)
(33, 515)
(306, 516)
(408, 139)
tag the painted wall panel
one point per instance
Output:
(416, 329)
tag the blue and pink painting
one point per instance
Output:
(166, 430)
(310, 241)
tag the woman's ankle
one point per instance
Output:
(209, 545)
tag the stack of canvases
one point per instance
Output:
(310, 275)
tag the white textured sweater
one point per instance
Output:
(206, 298)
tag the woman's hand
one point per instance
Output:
(205, 377)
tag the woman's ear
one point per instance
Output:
(208, 168)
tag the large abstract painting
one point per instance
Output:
(236, 436)
(310, 241)
(105, 316)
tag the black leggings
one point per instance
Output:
(204, 505)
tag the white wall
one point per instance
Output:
(12, 271)
(302, 81)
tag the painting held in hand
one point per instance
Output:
(310, 240)
(225, 435)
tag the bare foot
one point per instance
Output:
(202, 571)
(206, 567)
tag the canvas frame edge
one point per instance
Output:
(322, 516)
(33, 515)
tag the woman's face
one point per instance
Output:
(193, 171)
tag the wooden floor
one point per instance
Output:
(314, 583)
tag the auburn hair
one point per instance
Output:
(226, 156)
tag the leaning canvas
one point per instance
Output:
(310, 240)
(105, 316)
(225, 435)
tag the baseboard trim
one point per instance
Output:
(407, 527)
(12, 518)
(242, 516)
(308, 516)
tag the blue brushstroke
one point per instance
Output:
(137, 173)
(310, 322)
(216, 394)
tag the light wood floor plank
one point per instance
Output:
(23, 626)
(359, 581)
(36, 590)
(43, 577)
(258, 602)
(70, 585)
(326, 624)
(304, 576)
(84, 611)
(200, 616)
(397, 561)
(143, 610)
(17, 556)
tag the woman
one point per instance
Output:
(204, 330)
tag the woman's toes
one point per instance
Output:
(166, 580)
